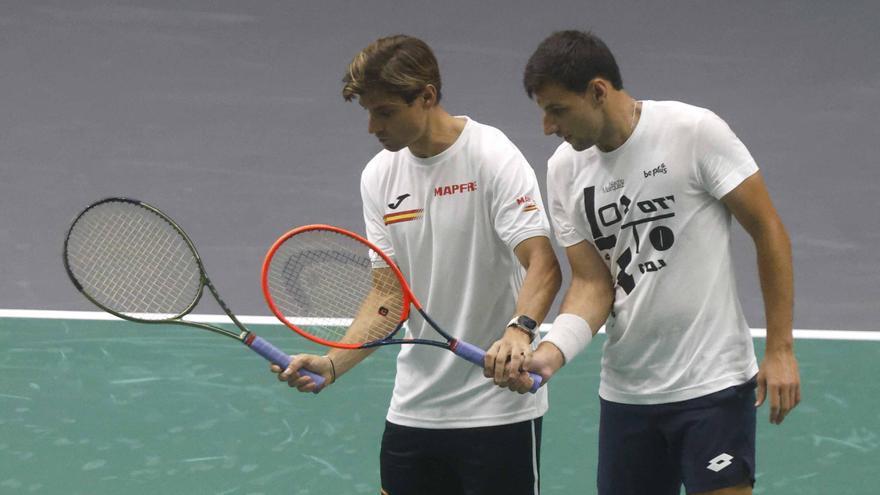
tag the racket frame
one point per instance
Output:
(408, 297)
(245, 336)
(204, 281)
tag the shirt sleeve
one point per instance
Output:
(377, 232)
(723, 161)
(517, 206)
(558, 196)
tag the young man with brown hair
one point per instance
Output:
(458, 208)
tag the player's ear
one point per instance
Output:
(597, 90)
(428, 97)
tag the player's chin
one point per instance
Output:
(578, 145)
(392, 147)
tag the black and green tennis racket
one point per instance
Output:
(134, 262)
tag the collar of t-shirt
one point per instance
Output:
(450, 151)
(644, 121)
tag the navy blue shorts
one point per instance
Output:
(502, 460)
(707, 443)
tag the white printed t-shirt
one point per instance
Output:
(451, 223)
(652, 210)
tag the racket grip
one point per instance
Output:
(278, 357)
(477, 356)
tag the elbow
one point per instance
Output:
(768, 230)
(772, 237)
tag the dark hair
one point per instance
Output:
(401, 65)
(571, 59)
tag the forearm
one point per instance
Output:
(542, 280)
(777, 285)
(370, 323)
(346, 359)
(589, 299)
(778, 376)
(586, 304)
(539, 289)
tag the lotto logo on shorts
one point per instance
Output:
(720, 462)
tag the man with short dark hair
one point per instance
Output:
(641, 195)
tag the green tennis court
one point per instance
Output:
(106, 407)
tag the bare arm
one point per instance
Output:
(590, 297)
(543, 277)
(542, 281)
(778, 376)
(369, 324)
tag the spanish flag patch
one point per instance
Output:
(403, 216)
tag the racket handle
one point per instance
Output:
(477, 356)
(276, 356)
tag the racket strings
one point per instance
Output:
(132, 261)
(324, 283)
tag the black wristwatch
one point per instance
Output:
(525, 324)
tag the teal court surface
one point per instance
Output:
(112, 407)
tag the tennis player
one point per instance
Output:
(641, 195)
(457, 206)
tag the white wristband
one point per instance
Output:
(571, 334)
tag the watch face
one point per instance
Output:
(526, 322)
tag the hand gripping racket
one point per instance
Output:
(337, 289)
(132, 261)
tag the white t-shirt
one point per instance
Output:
(652, 209)
(451, 223)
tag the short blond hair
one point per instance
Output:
(401, 65)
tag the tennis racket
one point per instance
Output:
(338, 289)
(134, 262)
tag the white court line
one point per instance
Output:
(100, 315)
(812, 334)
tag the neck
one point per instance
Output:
(441, 132)
(623, 115)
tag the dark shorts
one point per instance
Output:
(489, 460)
(707, 443)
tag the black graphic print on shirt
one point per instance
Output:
(644, 217)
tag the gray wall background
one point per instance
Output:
(227, 115)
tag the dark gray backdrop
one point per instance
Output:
(227, 115)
